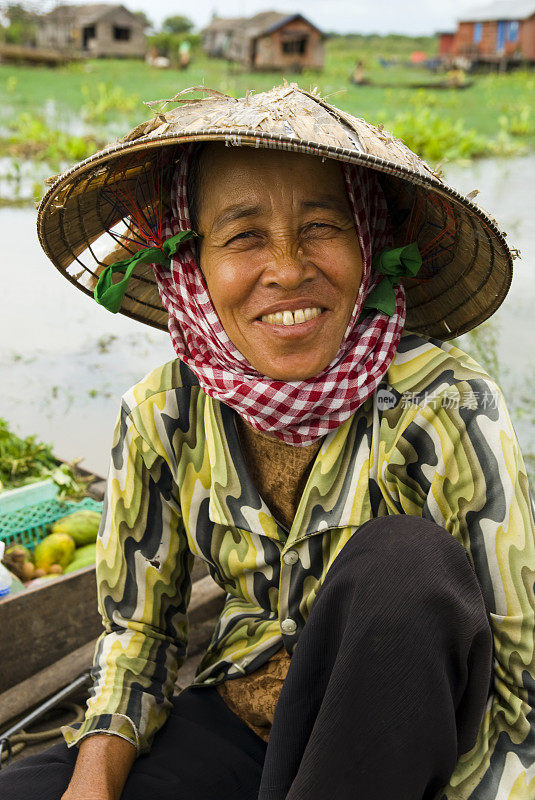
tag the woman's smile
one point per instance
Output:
(290, 317)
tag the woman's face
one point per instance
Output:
(280, 256)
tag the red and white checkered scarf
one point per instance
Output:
(297, 412)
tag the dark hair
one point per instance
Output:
(192, 189)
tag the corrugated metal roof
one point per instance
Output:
(500, 10)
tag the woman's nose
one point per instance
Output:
(288, 267)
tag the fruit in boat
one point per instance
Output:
(82, 526)
(39, 573)
(83, 557)
(28, 571)
(57, 548)
(19, 551)
(55, 569)
(15, 559)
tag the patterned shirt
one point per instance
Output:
(434, 440)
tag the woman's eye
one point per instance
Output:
(320, 228)
(242, 236)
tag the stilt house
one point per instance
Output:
(502, 30)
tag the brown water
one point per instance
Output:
(65, 361)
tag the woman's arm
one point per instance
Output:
(459, 464)
(143, 580)
(101, 770)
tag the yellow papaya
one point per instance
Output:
(82, 526)
(56, 548)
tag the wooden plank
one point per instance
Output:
(46, 623)
(24, 696)
(206, 603)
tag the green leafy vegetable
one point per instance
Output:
(24, 461)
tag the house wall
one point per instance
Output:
(527, 37)
(56, 36)
(266, 52)
(104, 43)
(239, 47)
(216, 43)
(69, 35)
(270, 53)
(446, 44)
(464, 40)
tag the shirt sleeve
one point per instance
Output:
(458, 463)
(144, 586)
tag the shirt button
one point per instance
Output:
(288, 626)
(290, 557)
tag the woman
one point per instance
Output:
(355, 487)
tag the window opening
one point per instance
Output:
(512, 31)
(294, 46)
(121, 34)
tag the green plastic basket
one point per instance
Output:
(25, 513)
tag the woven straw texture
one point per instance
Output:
(83, 222)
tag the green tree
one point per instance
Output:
(144, 19)
(177, 24)
(21, 25)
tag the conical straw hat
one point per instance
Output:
(467, 265)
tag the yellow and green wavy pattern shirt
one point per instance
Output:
(435, 440)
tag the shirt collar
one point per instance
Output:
(334, 494)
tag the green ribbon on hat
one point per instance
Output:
(393, 264)
(111, 295)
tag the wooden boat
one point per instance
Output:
(21, 54)
(49, 633)
(431, 85)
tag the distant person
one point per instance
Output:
(184, 55)
(358, 77)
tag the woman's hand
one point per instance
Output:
(102, 767)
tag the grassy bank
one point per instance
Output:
(60, 115)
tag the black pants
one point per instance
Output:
(386, 688)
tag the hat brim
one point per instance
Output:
(463, 281)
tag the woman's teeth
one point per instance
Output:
(292, 317)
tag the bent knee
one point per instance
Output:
(411, 547)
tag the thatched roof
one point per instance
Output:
(87, 14)
(261, 24)
(500, 10)
(225, 23)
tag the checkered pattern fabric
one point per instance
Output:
(297, 412)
